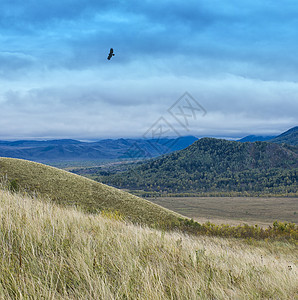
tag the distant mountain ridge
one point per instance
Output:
(255, 138)
(32, 143)
(289, 137)
(73, 150)
(68, 149)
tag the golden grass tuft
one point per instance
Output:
(51, 252)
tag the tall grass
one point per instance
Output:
(49, 252)
(65, 188)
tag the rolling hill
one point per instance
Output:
(69, 189)
(63, 150)
(211, 165)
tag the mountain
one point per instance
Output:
(33, 143)
(255, 138)
(289, 137)
(214, 165)
(65, 188)
(61, 150)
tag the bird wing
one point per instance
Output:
(111, 51)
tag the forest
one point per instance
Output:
(215, 166)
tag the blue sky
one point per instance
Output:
(238, 59)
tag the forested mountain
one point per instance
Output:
(215, 165)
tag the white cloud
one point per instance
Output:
(101, 108)
(237, 59)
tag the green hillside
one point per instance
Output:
(217, 166)
(70, 189)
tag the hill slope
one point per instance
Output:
(69, 189)
(105, 149)
(49, 252)
(213, 165)
(289, 137)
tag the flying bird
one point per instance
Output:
(111, 54)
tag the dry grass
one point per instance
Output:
(49, 252)
(69, 189)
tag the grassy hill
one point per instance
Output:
(289, 137)
(217, 166)
(70, 189)
(50, 252)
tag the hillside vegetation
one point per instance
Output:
(217, 167)
(50, 252)
(69, 189)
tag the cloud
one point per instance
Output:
(238, 58)
(13, 63)
(234, 106)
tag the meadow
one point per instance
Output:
(52, 252)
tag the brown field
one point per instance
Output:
(233, 210)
